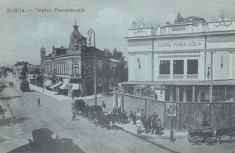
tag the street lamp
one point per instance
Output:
(90, 32)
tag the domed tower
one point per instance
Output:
(75, 39)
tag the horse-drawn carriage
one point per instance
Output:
(196, 136)
(95, 112)
(206, 135)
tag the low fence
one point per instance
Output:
(181, 115)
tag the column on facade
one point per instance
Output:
(146, 67)
(64, 68)
(185, 69)
(171, 69)
(167, 30)
(210, 92)
(193, 94)
(58, 68)
(230, 64)
(212, 75)
(132, 73)
(198, 94)
(184, 94)
(177, 94)
(171, 93)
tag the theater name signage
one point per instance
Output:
(180, 45)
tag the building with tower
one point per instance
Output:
(69, 71)
(62, 67)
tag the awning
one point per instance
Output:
(75, 86)
(48, 83)
(56, 85)
(65, 84)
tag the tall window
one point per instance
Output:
(192, 66)
(75, 69)
(178, 67)
(165, 67)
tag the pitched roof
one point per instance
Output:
(188, 19)
(20, 63)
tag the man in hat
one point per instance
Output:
(38, 100)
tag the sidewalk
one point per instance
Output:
(160, 141)
(8, 114)
(129, 127)
(52, 94)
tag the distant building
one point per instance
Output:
(17, 68)
(191, 60)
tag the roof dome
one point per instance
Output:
(75, 38)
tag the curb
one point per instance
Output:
(145, 139)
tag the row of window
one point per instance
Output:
(178, 67)
(62, 69)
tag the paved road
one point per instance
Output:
(56, 115)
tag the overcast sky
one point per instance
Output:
(23, 33)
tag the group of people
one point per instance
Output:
(151, 123)
(119, 115)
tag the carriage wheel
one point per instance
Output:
(210, 141)
(196, 140)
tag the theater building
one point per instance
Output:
(191, 60)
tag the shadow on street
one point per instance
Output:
(12, 121)
(9, 98)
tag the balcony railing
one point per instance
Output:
(164, 76)
(192, 76)
(178, 76)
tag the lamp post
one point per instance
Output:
(90, 32)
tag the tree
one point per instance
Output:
(179, 18)
(104, 75)
(120, 73)
(117, 55)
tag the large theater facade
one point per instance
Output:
(189, 61)
(181, 70)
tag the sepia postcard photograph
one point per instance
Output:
(117, 76)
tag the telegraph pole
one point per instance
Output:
(90, 32)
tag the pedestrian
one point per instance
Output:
(134, 118)
(149, 122)
(38, 100)
(145, 123)
(103, 106)
(72, 95)
(138, 122)
(113, 118)
(125, 116)
(204, 120)
(159, 127)
(154, 121)
(74, 115)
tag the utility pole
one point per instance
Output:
(90, 32)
